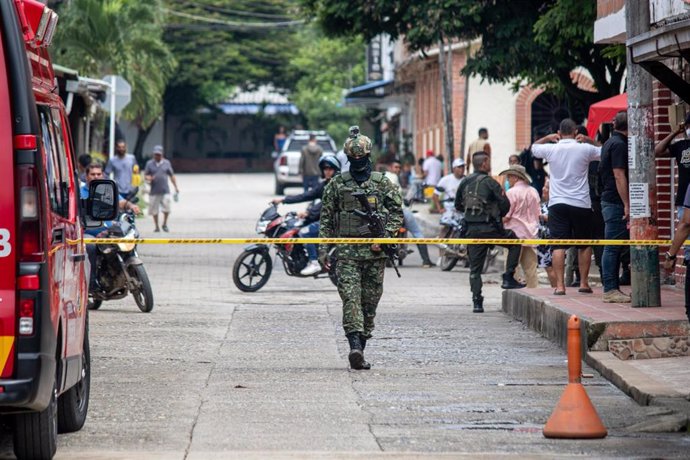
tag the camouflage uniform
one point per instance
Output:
(359, 269)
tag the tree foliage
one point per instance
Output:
(527, 41)
(99, 37)
(322, 69)
(243, 43)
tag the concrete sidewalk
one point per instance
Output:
(643, 351)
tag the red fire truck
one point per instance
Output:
(44, 343)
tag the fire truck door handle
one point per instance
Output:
(78, 257)
(58, 235)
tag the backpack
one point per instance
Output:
(477, 208)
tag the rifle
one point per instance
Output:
(375, 227)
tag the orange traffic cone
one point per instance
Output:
(574, 416)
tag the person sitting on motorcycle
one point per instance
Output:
(94, 171)
(330, 166)
(448, 186)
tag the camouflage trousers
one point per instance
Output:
(360, 285)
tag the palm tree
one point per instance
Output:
(99, 37)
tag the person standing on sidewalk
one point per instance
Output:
(481, 144)
(523, 218)
(570, 206)
(156, 173)
(360, 267)
(121, 166)
(681, 235)
(432, 169)
(309, 163)
(615, 206)
(484, 203)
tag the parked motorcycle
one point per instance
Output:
(254, 266)
(119, 270)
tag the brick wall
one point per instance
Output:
(429, 129)
(607, 7)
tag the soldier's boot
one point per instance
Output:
(356, 356)
(509, 282)
(365, 364)
(478, 302)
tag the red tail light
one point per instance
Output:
(26, 316)
(283, 161)
(29, 235)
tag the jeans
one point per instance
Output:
(310, 182)
(615, 229)
(310, 231)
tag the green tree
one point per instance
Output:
(528, 41)
(220, 48)
(99, 37)
(323, 68)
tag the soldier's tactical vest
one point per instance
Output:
(349, 223)
(477, 207)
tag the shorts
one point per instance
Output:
(568, 222)
(159, 203)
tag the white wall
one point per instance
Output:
(492, 106)
(155, 137)
(666, 9)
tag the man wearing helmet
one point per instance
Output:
(329, 166)
(360, 267)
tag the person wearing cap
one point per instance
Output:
(432, 169)
(360, 267)
(156, 173)
(523, 217)
(448, 187)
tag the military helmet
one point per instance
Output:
(357, 146)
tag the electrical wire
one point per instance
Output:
(235, 24)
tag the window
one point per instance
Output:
(57, 167)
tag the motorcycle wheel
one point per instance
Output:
(448, 260)
(249, 266)
(144, 296)
(94, 304)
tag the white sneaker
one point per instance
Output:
(312, 268)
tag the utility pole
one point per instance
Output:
(445, 71)
(644, 260)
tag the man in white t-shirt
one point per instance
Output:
(448, 187)
(432, 169)
(570, 206)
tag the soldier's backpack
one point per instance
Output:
(477, 208)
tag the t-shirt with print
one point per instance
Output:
(160, 172)
(681, 152)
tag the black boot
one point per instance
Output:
(356, 356)
(424, 252)
(365, 365)
(478, 304)
(509, 282)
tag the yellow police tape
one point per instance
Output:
(466, 241)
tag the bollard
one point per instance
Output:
(574, 416)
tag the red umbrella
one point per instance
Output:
(604, 111)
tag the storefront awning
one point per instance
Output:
(368, 94)
(604, 111)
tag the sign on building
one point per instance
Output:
(375, 59)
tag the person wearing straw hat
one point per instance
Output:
(523, 217)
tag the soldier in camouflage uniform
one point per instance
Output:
(359, 267)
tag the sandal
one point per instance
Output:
(557, 292)
(585, 290)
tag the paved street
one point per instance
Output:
(216, 373)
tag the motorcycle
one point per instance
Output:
(119, 270)
(254, 266)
